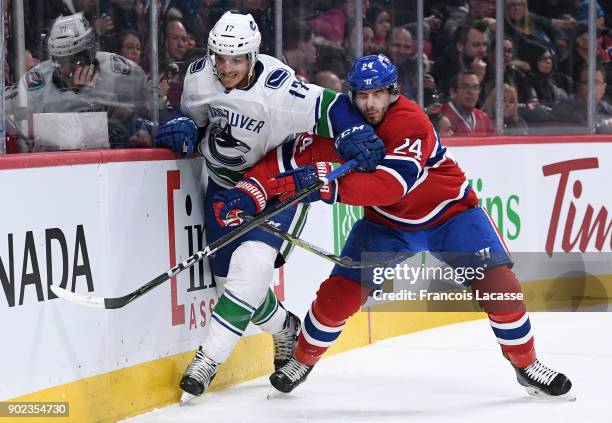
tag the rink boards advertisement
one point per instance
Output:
(107, 226)
(104, 229)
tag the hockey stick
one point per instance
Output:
(118, 302)
(342, 261)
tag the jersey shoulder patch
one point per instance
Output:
(276, 78)
(197, 66)
(34, 80)
(119, 64)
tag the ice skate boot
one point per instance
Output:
(285, 340)
(199, 374)
(290, 375)
(540, 381)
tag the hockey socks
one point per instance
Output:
(513, 333)
(230, 318)
(338, 298)
(509, 319)
(270, 315)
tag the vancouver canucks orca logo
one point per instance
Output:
(221, 137)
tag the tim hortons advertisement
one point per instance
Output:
(545, 197)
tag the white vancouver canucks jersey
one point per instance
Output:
(120, 85)
(244, 124)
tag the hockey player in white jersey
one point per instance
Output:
(238, 105)
(79, 79)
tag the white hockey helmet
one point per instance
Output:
(70, 35)
(234, 34)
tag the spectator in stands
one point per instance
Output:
(175, 40)
(209, 12)
(469, 52)
(328, 79)
(549, 86)
(77, 79)
(554, 8)
(580, 50)
(583, 13)
(130, 46)
(432, 26)
(262, 13)
(461, 110)
(515, 72)
(367, 38)
(398, 48)
(170, 66)
(526, 28)
(476, 10)
(123, 15)
(339, 59)
(380, 18)
(513, 123)
(442, 125)
(188, 11)
(299, 51)
(333, 24)
(574, 109)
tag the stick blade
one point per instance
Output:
(84, 300)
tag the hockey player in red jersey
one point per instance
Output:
(417, 199)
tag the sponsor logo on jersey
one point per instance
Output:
(276, 78)
(34, 80)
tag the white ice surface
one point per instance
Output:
(450, 374)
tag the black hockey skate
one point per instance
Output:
(285, 340)
(540, 381)
(199, 374)
(288, 377)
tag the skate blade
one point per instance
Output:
(185, 398)
(534, 392)
(275, 393)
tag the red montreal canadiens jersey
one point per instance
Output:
(417, 185)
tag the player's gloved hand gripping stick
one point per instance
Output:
(118, 302)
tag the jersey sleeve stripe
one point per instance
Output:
(395, 175)
(324, 103)
(404, 158)
(434, 151)
(439, 209)
(279, 160)
(287, 154)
